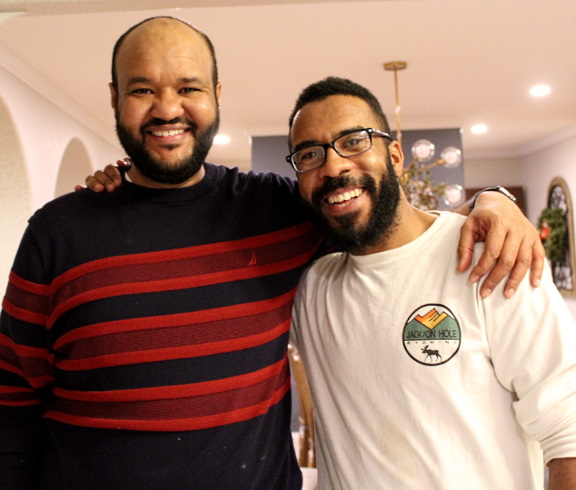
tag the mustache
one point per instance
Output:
(155, 122)
(337, 183)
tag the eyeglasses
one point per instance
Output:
(348, 145)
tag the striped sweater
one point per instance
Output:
(143, 338)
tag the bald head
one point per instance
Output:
(161, 29)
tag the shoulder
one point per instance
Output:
(264, 182)
(73, 205)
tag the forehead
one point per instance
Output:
(162, 45)
(325, 119)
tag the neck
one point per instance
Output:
(137, 178)
(410, 224)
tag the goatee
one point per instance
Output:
(153, 168)
(346, 236)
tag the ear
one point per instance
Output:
(113, 96)
(218, 93)
(397, 157)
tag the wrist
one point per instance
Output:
(498, 188)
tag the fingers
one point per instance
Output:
(512, 245)
(538, 261)
(109, 179)
(514, 262)
(125, 163)
(465, 246)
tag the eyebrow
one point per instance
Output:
(308, 143)
(137, 79)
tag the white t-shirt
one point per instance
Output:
(419, 383)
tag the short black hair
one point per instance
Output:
(339, 86)
(206, 39)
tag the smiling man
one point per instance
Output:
(417, 381)
(165, 97)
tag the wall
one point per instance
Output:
(549, 158)
(490, 172)
(37, 136)
(540, 167)
(14, 193)
(268, 155)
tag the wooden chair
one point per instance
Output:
(307, 452)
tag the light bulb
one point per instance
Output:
(423, 150)
(452, 156)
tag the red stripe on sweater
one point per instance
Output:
(38, 381)
(184, 253)
(176, 391)
(24, 314)
(234, 312)
(66, 304)
(174, 424)
(182, 352)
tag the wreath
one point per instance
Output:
(553, 230)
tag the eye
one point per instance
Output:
(355, 140)
(140, 91)
(189, 90)
(309, 154)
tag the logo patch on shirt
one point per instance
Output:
(432, 335)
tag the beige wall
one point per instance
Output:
(38, 139)
(489, 172)
(534, 171)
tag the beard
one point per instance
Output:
(153, 168)
(346, 236)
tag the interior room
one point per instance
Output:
(470, 66)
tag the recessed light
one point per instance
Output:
(221, 139)
(479, 129)
(540, 90)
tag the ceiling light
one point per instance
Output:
(454, 195)
(479, 129)
(540, 90)
(221, 139)
(415, 179)
(452, 156)
(423, 150)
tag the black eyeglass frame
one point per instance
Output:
(325, 146)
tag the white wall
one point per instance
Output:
(489, 172)
(35, 136)
(558, 159)
(534, 171)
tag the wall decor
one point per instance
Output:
(556, 225)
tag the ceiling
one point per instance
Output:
(469, 61)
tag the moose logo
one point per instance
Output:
(432, 335)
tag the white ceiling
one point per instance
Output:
(469, 61)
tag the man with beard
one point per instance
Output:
(417, 382)
(144, 332)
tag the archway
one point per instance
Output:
(14, 194)
(74, 168)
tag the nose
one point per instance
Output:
(334, 165)
(167, 106)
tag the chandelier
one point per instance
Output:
(416, 180)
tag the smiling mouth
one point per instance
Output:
(345, 197)
(169, 132)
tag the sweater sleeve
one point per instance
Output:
(26, 368)
(532, 340)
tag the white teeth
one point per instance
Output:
(172, 132)
(346, 196)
